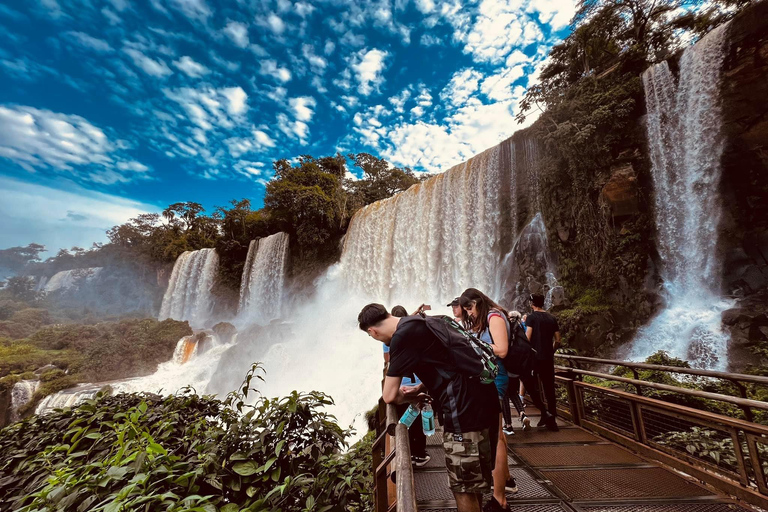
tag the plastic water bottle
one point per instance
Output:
(410, 415)
(428, 420)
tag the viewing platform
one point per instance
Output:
(615, 451)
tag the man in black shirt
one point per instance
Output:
(469, 408)
(544, 333)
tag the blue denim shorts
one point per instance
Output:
(502, 380)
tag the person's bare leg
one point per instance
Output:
(468, 502)
(500, 469)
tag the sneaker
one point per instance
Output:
(508, 430)
(420, 461)
(510, 485)
(495, 506)
(552, 425)
(544, 419)
(526, 421)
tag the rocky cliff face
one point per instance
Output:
(744, 238)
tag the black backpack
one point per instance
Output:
(468, 354)
(521, 356)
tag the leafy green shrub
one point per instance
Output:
(52, 375)
(185, 452)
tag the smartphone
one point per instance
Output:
(426, 307)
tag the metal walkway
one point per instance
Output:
(625, 445)
(574, 470)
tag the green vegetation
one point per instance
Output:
(88, 353)
(185, 452)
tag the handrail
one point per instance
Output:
(406, 489)
(734, 377)
(393, 441)
(741, 402)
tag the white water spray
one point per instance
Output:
(686, 143)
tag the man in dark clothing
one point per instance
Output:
(544, 333)
(469, 408)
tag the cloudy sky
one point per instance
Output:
(113, 107)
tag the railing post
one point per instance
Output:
(637, 386)
(569, 378)
(406, 489)
(743, 392)
(391, 424)
(737, 449)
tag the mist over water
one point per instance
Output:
(686, 143)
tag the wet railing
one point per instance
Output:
(393, 474)
(695, 431)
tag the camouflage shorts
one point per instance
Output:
(469, 461)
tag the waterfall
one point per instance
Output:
(189, 296)
(67, 279)
(21, 394)
(431, 241)
(685, 143)
(261, 287)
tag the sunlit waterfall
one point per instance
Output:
(261, 288)
(188, 296)
(686, 143)
(429, 243)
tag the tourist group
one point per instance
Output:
(467, 369)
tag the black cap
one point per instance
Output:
(454, 302)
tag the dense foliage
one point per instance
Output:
(185, 452)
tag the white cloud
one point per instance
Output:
(425, 6)
(120, 5)
(97, 212)
(207, 107)
(237, 100)
(111, 16)
(271, 68)
(35, 138)
(302, 107)
(150, 66)
(461, 87)
(368, 66)
(317, 63)
(430, 40)
(275, 23)
(329, 47)
(191, 67)
(86, 41)
(398, 101)
(294, 129)
(258, 141)
(238, 33)
(194, 9)
(303, 9)
(498, 87)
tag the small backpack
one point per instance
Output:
(469, 355)
(521, 356)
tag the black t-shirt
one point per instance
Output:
(544, 328)
(466, 403)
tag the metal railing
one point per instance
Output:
(392, 471)
(729, 453)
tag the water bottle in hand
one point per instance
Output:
(410, 415)
(428, 420)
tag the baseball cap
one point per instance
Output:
(454, 302)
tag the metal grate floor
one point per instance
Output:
(527, 487)
(565, 435)
(432, 486)
(667, 507)
(536, 507)
(584, 455)
(604, 484)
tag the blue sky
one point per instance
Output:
(113, 107)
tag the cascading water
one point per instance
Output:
(432, 241)
(686, 143)
(67, 279)
(261, 288)
(189, 296)
(21, 394)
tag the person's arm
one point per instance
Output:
(529, 332)
(498, 328)
(557, 340)
(386, 357)
(391, 392)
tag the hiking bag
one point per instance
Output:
(469, 355)
(521, 356)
